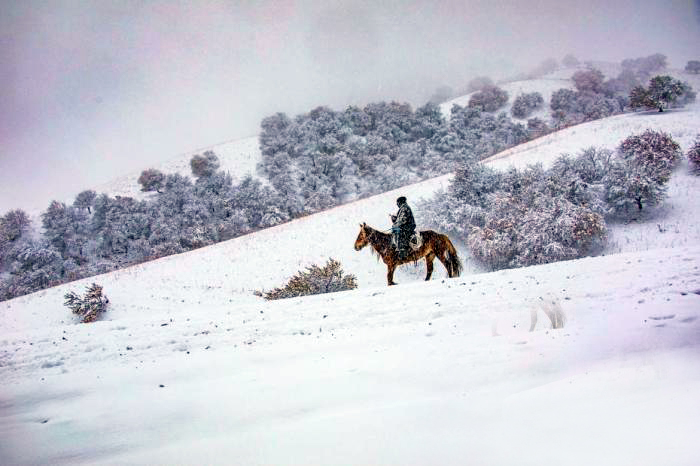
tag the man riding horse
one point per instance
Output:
(404, 226)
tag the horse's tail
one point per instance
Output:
(453, 261)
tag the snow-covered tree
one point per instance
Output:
(525, 104)
(37, 266)
(537, 127)
(521, 217)
(630, 188)
(644, 67)
(637, 177)
(663, 92)
(693, 66)
(590, 80)
(67, 229)
(489, 99)
(14, 226)
(151, 180)
(85, 200)
(204, 165)
(655, 151)
(694, 156)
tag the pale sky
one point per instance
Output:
(93, 90)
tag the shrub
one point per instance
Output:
(89, 306)
(525, 104)
(204, 165)
(151, 180)
(694, 156)
(588, 80)
(315, 280)
(537, 127)
(489, 99)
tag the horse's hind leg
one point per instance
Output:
(446, 263)
(429, 265)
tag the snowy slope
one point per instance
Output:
(444, 372)
(435, 373)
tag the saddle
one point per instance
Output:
(414, 242)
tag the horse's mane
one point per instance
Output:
(376, 233)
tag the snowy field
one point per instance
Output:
(189, 367)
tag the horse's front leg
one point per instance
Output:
(429, 265)
(390, 274)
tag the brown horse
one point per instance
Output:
(434, 245)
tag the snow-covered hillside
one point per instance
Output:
(439, 373)
(189, 367)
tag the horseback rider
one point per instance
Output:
(404, 226)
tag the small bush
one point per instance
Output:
(525, 104)
(537, 127)
(315, 280)
(694, 157)
(89, 306)
(204, 165)
(151, 180)
(489, 99)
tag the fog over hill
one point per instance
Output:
(98, 90)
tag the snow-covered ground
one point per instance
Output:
(189, 367)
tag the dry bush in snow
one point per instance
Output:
(315, 280)
(88, 307)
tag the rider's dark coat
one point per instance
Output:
(403, 227)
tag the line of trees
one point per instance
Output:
(595, 97)
(534, 216)
(99, 233)
(324, 158)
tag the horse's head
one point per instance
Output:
(361, 240)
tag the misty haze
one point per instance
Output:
(95, 90)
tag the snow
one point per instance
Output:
(189, 367)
